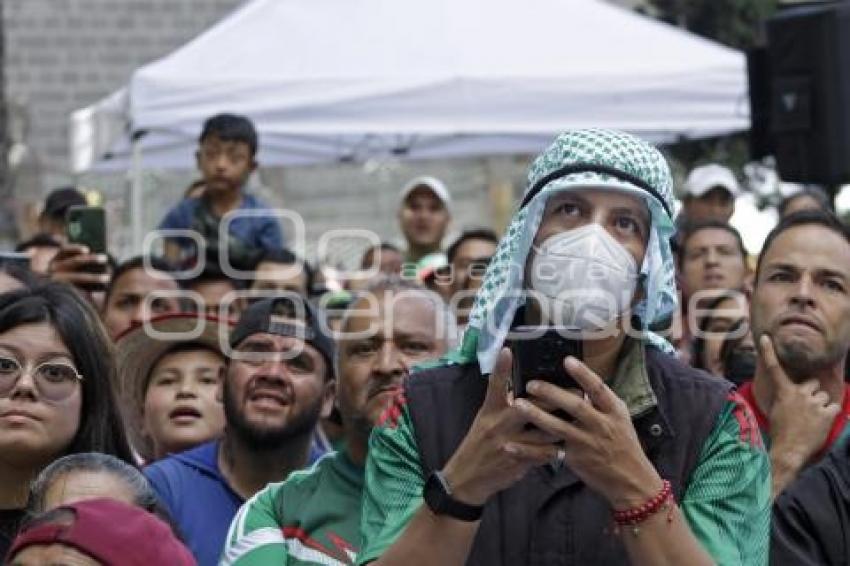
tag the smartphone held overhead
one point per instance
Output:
(86, 225)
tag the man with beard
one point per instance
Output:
(278, 382)
(314, 516)
(800, 316)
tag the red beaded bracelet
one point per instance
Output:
(637, 515)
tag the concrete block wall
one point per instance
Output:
(66, 54)
(333, 197)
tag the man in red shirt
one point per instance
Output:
(800, 316)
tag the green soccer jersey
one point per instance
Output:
(726, 502)
(311, 518)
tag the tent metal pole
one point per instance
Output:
(136, 189)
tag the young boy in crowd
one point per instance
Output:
(226, 157)
(171, 385)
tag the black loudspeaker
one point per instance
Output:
(809, 60)
(758, 75)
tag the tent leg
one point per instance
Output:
(136, 189)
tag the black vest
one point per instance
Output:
(551, 517)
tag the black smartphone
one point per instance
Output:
(539, 352)
(87, 225)
(17, 259)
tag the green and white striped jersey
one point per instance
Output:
(311, 518)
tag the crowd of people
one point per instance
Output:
(604, 383)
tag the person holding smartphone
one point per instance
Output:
(83, 260)
(640, 460)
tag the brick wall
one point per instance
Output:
(66, 54)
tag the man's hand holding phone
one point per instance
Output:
(499, 448)
(74, 265)
(600, 442)
(83, 261)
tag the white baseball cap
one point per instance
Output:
(437, 187)
(703, 179)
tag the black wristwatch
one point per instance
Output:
(438, 496)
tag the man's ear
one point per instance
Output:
(328, 398)
(198, 159)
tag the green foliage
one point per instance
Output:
(736, 23)
(731, 150)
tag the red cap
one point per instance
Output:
(111, 532)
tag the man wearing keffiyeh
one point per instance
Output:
(653, 463)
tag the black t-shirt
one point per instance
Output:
(811, 518)
(10, 520)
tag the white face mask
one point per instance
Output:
(586, 277)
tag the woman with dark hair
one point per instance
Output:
(727, 313)
(56, 390)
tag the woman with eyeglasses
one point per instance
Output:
(56, 390)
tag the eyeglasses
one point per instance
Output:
(54, 381)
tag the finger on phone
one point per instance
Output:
(82, 279)
(70, 250)
(531, 453)
(536, 436)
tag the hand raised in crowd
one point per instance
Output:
(801, 417)
(88, 272)
(498, 450)
(74, 264)
(601, 445)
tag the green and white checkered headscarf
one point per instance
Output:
(579, 159)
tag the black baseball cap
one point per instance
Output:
(60, 200)
(281, 315)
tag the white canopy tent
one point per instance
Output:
(329, 80)
(342, 80)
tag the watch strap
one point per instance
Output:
(439, 498)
